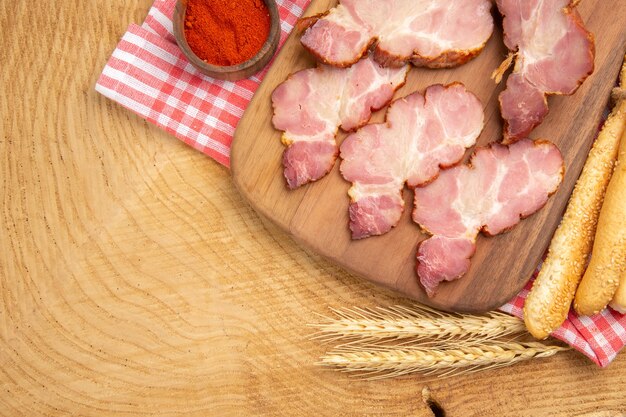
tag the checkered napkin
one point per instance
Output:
(600, 337)
(149, 75)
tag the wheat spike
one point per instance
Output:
(391, 362)
(387, 342)
(399, 322)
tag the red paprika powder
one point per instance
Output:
(226, 32)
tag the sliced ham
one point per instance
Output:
(502, 185)
(312, 104)
(553, 55)
(431, 33)
(422, 133)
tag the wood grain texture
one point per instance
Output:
(317, 214)
(135, 281)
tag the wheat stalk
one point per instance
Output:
(399, 322)
(390, 362)
(386, 342)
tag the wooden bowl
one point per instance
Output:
(232, 72)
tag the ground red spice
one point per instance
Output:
(226, 32)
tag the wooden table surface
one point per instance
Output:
(135, 281)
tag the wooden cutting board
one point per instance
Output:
(316, 214)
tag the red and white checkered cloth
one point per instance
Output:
(600, 337)
(149, 75)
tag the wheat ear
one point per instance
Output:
(399, 322)
(389, 363)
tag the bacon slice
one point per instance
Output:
(431, 33)
(422, 133)
(502, 185)
(554, 55)
(311, 105)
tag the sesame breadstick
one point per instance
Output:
(615, 202)
(608, 258)
(552, 293)
(619, 300)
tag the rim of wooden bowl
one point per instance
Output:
(233, 72)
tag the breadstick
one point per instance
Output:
(619, 300)
(619, 183)
(608, 257)
(552, 293)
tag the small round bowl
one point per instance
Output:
(232, 72)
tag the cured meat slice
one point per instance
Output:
(502, 185)
(553, 55)
(311, 104)
(431, 33)
(422, 133)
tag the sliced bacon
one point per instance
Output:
(422, 133)
(554, 55)
(311, 104)
(502, 185)
(431, 33)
